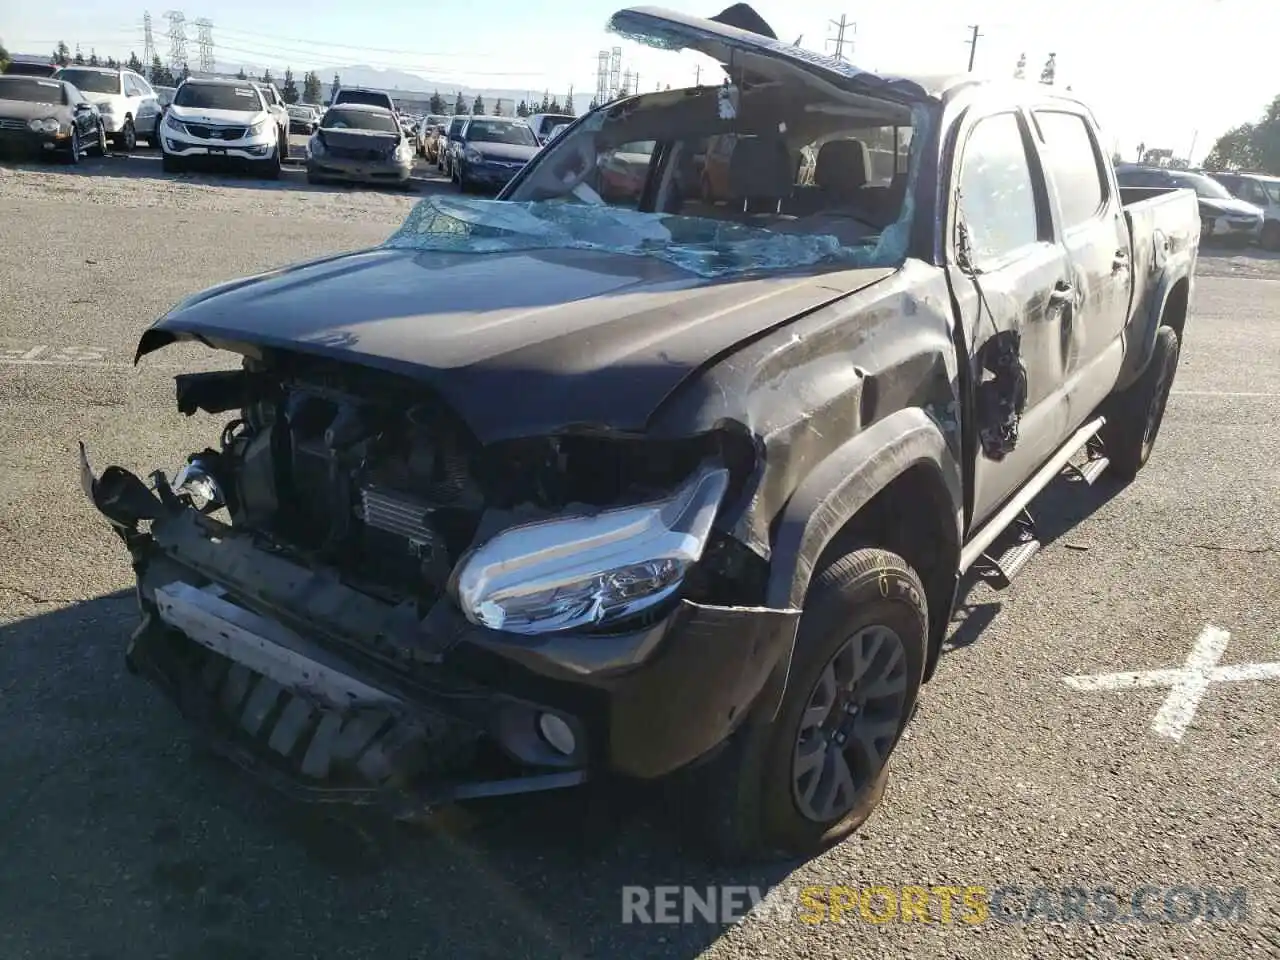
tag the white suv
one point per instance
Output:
(220, 120)
(129, 107)
(278, 109)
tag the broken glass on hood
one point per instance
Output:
(706, 247)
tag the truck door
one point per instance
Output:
(1093, 231)
(1010, 282)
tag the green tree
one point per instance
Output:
(593, 105)
(242, 75)
(78, 60)
(546, 102)
(4, 56)
(568, 103)
(459, 105)
(477, 108)
(554, 106)
(133, 63)
(333, 90)
(160, 74)
(311, 87)
(1050, 70)
(437, 102)
(113, 63)
(289, 92)
(1250, 146)
(93, 58)
(266, 76)
(522, 109)
(186, 72)
(62, 54)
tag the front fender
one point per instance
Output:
(842, 484)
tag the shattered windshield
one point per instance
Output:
(780, 180)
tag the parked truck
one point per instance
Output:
(692, 491)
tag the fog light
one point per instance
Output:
(557, 733)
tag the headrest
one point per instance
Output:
(760, 167)
(842, 165)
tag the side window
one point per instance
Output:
(144, 88)
(997, 204)
(622, 171)
(1074, 164)
(130, 88)
(1249, 190)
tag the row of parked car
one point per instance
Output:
(1238, 208)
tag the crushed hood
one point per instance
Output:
(519, 343)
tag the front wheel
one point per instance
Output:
(1270, 238)
(128, 137)
(100, 146)
(1134, 415)
(271, 166)
(73, 148)
(793, 785)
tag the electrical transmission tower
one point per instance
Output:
(842, 26)
(148, 44)
(177, 39)
(204, 38)
(615, 71)
(602, 78)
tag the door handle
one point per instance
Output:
(1063, 292)
(1120, 261)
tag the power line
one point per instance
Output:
(252, 35)
(973, 45)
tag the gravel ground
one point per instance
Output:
(123, 840)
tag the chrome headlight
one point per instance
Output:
(594, 570)
(474, 155)
(173, 124)
(45, 125)
(259, 128)
(196, 479)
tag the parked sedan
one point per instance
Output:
(49, 118)
(360, 143)
(490, 151)
(303, 119)
(1222, 216)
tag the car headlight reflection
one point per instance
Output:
(586, 571)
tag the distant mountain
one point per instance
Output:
(399, 82)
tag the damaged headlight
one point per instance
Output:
(197, 480)
(590, 570)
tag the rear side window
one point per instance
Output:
(997, 205)
(1074, 164)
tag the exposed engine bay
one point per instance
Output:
(358, 471)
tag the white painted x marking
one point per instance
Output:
(1187, 685)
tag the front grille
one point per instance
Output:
(8, 124)
(358, 153)
(207, 132)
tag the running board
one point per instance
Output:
(977, 546)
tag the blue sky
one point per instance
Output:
(1159, 73)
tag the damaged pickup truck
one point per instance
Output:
(547, 488)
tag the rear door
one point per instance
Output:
(1092, 228)
(1009, 278)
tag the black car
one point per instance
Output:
(490, 151)
(1222, 216)
(43, 117)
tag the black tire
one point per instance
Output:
(170, 163)
(271, 168)
(1134, 415)
(127, 138)
(72, 156)
(1270, 238)
(101, 147)
(748, 799)
(153, 141)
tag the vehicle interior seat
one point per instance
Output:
(839, 178)
(761, 175)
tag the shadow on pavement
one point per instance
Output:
(124, 838)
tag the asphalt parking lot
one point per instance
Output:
(122, 839)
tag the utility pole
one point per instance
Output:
(841, 26)
(973, 45)
(204, 35)
(697, 75)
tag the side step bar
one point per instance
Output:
(977, 546)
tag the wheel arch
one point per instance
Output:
(897, 486)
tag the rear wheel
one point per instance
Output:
(793, 785)
(270, 168)
(100, 147)
(1134, 415)
(1271, 235)
(127, 138)
(74, 147)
